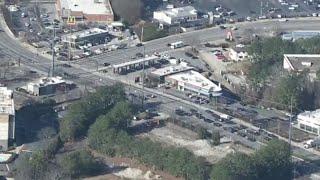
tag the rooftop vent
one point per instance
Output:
(304, 63)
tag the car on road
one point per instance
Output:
(139, 55)
(217, 124)
(106, 64)
(222, 27)
(179, 112)
(66, 65)
(139, 44)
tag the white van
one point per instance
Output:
(176, 45)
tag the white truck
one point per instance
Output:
(312, 143)
(225, 117)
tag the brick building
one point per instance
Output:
(85, 10)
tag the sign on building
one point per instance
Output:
(71, 20)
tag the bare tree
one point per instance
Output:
(128, 10)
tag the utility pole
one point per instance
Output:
(143, 68)
(290, 132)
(53, 51)
(261, 5)
(290, 125)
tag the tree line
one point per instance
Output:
(270, 162)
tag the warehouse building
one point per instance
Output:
(309, 121)
(7, 118)
(176, 15)
(85, 10)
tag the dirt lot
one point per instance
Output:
(126, 168)
(177, 136)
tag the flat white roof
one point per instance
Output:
(310, 116)
(195, 79)
(180, 12)
(47, 81)
(87, 6)
(6, 101)
(171, 70)
(153, 57)
(85, 33)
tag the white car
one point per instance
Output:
(234, 28)
(98, 51)
(283, 20)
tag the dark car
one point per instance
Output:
(139, 45)
(66, 65)
(208, 120)
(139, 55)
(106, 64)
(217, 124)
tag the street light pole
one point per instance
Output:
(290, 125)
(53, 52)
(143, 68)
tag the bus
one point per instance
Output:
(176, 45)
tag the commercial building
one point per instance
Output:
(295, 35)
(195, 82)
(309, 121)
(238, 54)
(91, 36)
(7, 118)
(138, 64)
(85, 10)
(162, 73)
(301, 62)
(176, 15)
(45, 86)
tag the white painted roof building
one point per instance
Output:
(195, 82)
(310, 121)
(176, 15)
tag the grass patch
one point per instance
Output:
(152, 32)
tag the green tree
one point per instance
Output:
(83, 113)
(289, 89)
(80, 163)
(215, 138)
(270, 162)
(32, 166)
(274, 161)
(236, 166)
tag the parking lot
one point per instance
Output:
(241, 10)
